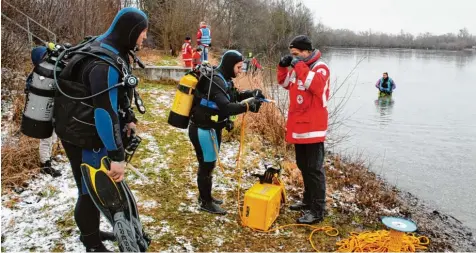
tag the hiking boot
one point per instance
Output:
(299, 206)
(211, 207)
(47, 169)
(310, 217)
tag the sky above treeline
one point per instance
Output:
(392, 16)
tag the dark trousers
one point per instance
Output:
(207, 144)
(86, 214)
(309, 159)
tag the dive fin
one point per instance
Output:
(113, 202)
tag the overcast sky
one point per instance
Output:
(414, 16)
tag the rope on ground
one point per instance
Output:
(383, 241)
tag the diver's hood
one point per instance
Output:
(227, 63)
(124, 31)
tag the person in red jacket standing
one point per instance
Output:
(187, 52)
(196, 57)
(204, 40)
(308, 84)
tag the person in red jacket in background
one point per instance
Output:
(196, 57)
(308, 84)
(204, 40)
(187, 52)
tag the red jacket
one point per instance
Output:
(308, 85)
(196, 59)
(186, 51)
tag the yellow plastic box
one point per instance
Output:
(261, 205)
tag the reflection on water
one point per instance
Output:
(384, 106)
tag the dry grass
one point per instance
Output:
(20, 161)
(269, 122)
(363, 187)
(150, 56)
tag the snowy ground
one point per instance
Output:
(36, 218)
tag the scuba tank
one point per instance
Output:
(37, 120)
(180, 113)
(38, 112)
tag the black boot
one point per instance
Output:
(206, 200)
(211, 207)
(98, 248)
(93, 243)
(302, 205)
(47, 169)
(299, 206)
(105, 236)
(216, 201)
(314, 215)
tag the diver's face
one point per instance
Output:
(385, 76)
(141, 39)
(237, 68)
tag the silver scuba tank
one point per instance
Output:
(38, 112)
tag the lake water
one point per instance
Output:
(423, 140)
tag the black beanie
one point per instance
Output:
(301, 42)
(228, 61)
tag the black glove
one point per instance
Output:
(257, 93)
(229, 125)
(285, 61)
(254, 104)
(269, 174)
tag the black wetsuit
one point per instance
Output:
(212, 107)
(91, 129)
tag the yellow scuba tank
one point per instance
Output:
(180, 113)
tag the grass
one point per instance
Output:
(167, 60)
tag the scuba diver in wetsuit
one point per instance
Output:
(215, 101)
(91, 129)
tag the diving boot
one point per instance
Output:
(216, 201)
(47, 169)
(310, 217)
(98, 248)
(211, 207)
(107, 236)
(104, 236)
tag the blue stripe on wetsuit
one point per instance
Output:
(104, 124)
(209, 104)
(207, 144)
